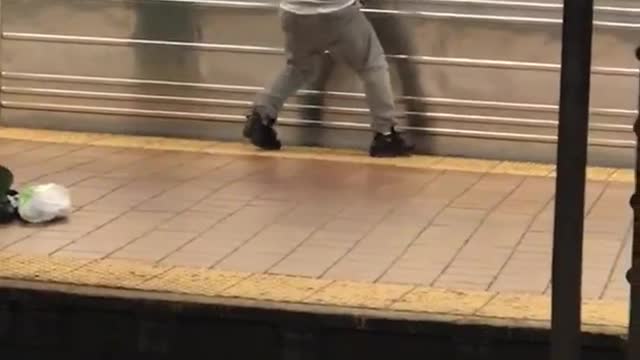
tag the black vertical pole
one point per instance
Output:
(633, 275)
(577, 28)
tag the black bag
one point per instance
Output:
(8, 206)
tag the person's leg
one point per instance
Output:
(396, 39)
(315, 101)
(301, 54)
(357, 44)
(295, 75)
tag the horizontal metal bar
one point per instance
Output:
(547, 108)
(500, 18)
(334, 94)
(531, 5)
(467, 118)
(508, 5)
(433, 60)
(99, 40)
(124, 81)
(296, 122)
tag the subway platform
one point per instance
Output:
(459, 240)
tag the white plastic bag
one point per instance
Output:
(42, 203)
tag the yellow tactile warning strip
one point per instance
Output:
(223, 148)
(606, 316)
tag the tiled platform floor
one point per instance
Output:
(464, 230)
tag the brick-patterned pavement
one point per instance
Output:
(452, 229)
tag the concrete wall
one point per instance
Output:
(473, 78)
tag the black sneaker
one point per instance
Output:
(391, 145)
(261, 135)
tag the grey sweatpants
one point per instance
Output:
(349, 36)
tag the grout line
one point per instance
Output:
(315, 229)
(493, 297)
(285, 212)
(336, 216)
(360, 239)
(588, 207)
(518, 244)
(222, 219)
(155, 227)
(444, 207)
(408, 291)
(320, 289)
(300, 153)
(476, 229)
(626, 240)
(53, 158)
(158, 275)
(127, 182)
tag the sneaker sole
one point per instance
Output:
(390, 155)
(268, 148)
